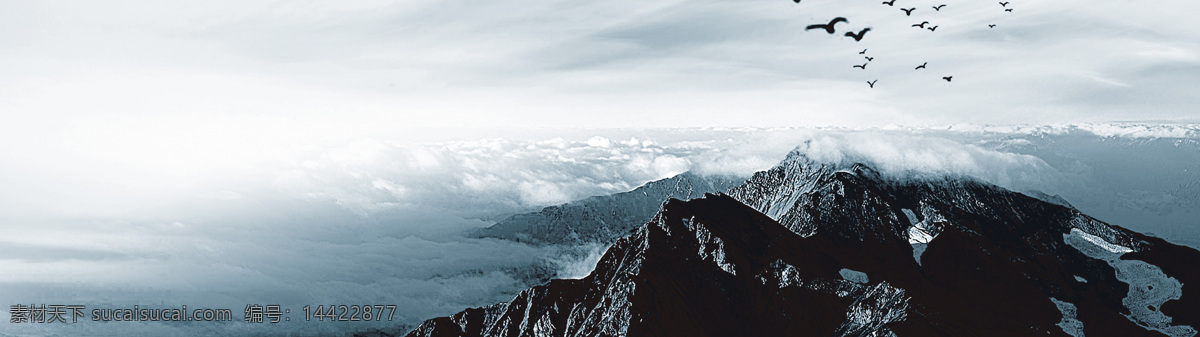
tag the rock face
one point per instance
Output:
(813, 249)
(470, 322)
(604, 218)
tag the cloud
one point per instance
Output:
(367, 222)
(289, 253)
(904, 155)
(578, 262)
(381, 221)
(498, 176)
(490, 176)
(615, 64)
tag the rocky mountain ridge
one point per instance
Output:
(603, 219)
(818, 249)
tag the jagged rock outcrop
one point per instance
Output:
(818, 249)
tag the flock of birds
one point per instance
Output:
(860, 34)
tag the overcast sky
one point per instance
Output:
(318, 66)
(143, 82)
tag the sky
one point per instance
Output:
(169, 89)
(308, 151)
(319, 67)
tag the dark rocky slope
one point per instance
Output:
(823, 250)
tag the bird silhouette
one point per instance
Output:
(1002, 4)
(922, 66)
(862, 52)
(869, 59)
(932, 28)
(863, 66)
(908, 11)
(947, 78)
(991, 26)
(872, 83)
(889, 3)
(797, 1)
(921, 25)
(1008, 10)
(859, 36)
(939, 7)
(828, 27)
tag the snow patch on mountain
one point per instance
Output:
(912, 217)
(853, 275)
(923, 229)
(1095, 240)
(1149, 287)
(1070, 323)
(1104, 236)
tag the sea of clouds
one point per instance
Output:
(373, 221)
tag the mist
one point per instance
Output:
(374, 221)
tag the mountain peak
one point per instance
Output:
(807, 248)
(604, 218)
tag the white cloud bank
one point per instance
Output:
(901, 155)
(380, 221)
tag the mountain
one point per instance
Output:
(1149, 184)
(604, 218)
(817, 249)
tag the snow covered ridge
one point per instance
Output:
(838, 244)
(1112, 129)
(1124, 130)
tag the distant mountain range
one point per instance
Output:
(604, 218)
(817, 249)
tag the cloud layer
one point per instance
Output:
(377, 221)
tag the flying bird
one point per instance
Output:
(947, 78)
(863, 66)
(1002, 4)
(859, 36)
(869, 59)
(1008, 10)
(889, 3)
(872, 83)
(991, 26)
(922, 66)
(939, 7)
(862, 52)
(921, 25)
(932, 28)
(828, 27)
(908, 11)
